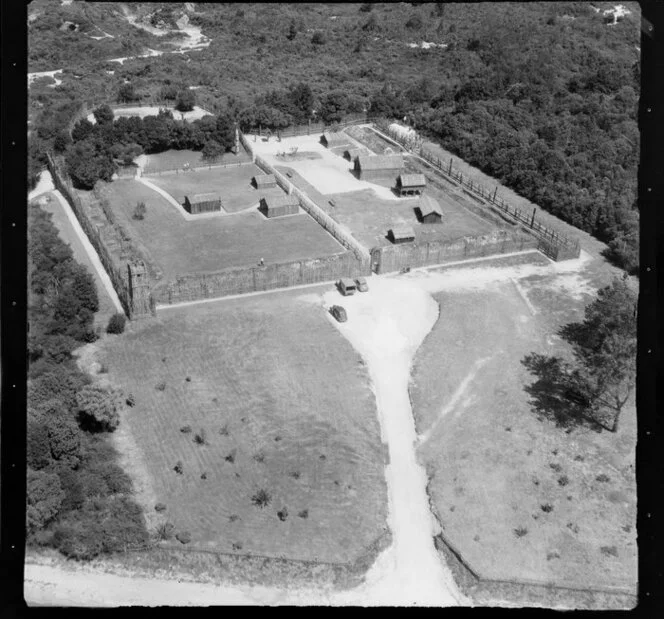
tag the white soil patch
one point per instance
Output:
(143, 111)
(330, 174)
(33, 76)
(427, 45)
(44, 184)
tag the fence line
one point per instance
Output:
(552, 243)
(153, 170)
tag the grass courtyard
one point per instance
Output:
(233, 185)
(286, 407)
(180, 247)
(519, 497)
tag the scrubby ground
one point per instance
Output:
(288, 461)
(179, 246)
(519, 497)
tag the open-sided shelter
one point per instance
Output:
(202, 203)
(279, 206)
(411, 184)
(378, 166)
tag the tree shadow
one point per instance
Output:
(557, 395)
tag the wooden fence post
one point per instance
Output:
(532, 221)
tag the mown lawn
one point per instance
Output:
(286, 407)
(519, 497)
(179, 246)
(233, 185)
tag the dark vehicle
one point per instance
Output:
(573, 395)
(362, 284)
(339, 313)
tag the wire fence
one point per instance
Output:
(152, 170)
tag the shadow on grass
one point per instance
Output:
(555, 395)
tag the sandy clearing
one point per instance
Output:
(143, 111)
(44, 184)
(329, 174)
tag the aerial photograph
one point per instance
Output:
(332, 304)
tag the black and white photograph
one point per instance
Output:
(332, 304)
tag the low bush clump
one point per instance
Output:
(139, 211)
(230, 457)
(261, 498)
(563, 480)
(185, 429)
(131, 400)
(184, 537)
(165, 531)
(160, 386)
(160, 507)
(602, 477)
(304, 514)
(200, 438)
(556, 467)
(224, 430)
(116, 324)
(546, 508)
(178, 468)
(283, 514)
(609, 551)
(520, 531)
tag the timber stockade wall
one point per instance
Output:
(529, 592)
(102, 236)
(553, 244)
(315, 127)
(242, 280)
(391, 258)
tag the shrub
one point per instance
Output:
(609, 551)
(45, 496)
(520, 531)
(116, 324)
(185, 429)
(261, 498)
(546, 508)
(304, 513)
(295, 474)
(563, 480)
(224, 430)
(160, 507)
(184, 537)
(160, 386)
(131, 400)
(555, 466)
(200, 438)
(233, 517)
(602, 477)
(283, 514)
(97, 408)
(204, 475)
(165, 531)
(318, 38)
(237, 546)
(259, 456)
(178, 468)
(230, 457)
(139, 211)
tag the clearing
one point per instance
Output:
(286, 408)
(180, 247)
(176, 159)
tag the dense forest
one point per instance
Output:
(79, 500)
(543, 96)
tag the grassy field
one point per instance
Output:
(286, 406)
(179, 246)
(69, 236)
(171, 159)
(232, 184)
(368, 217)
(519, 497)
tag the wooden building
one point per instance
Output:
(430, 211)
(411, 184)
(378, 166)
(338, 138)
(279, 206)
(202, 203)
(265, 181)
(401, 234)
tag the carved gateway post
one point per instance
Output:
(139, 290)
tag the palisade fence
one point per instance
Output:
(242, 280)
(555, 245)
(391, 258)
(96, 233)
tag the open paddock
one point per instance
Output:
(179, 246)
(171, 160)
(372, 140)
(232, 184)
(286, 407)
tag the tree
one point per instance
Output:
(116, 323)
(604, 345)
(127, 93)
(139, 214)
(97, 408)
(103, 114)
(292, 31)
(212, 150)
(45, 496)
(318, 38)
(86, 164)
(186, 100)
(64, 438)
(82, 129)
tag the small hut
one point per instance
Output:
(279, 206)
(401, 234)
(352, 154)
(369, 167)
(202, 203)
(411, 184)
(430, 211)
(338, 138)
(265, 181)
